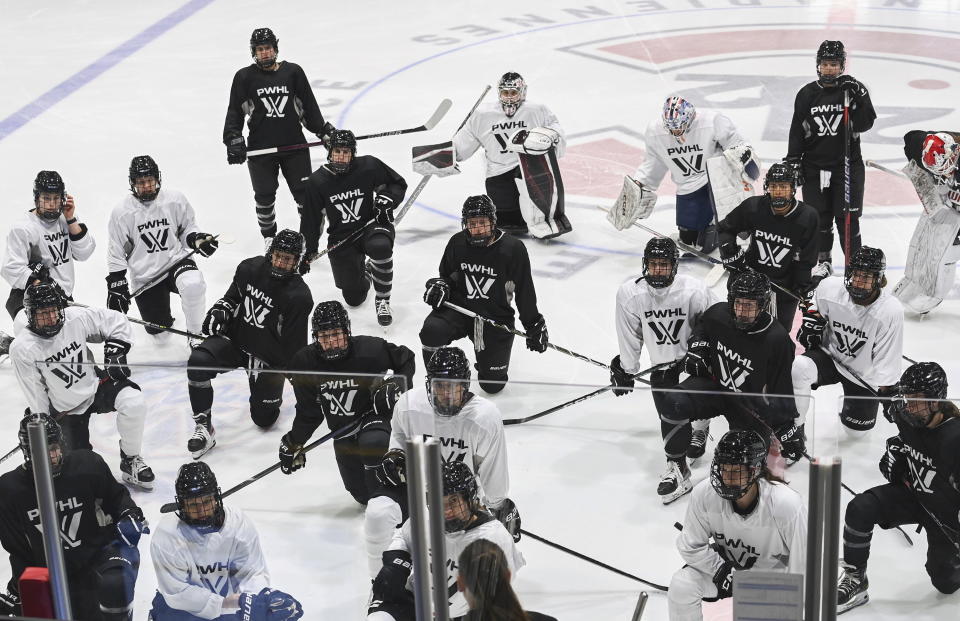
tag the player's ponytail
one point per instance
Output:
(485, 579)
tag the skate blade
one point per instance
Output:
(204, 451)
(859, 600)
(683, 490)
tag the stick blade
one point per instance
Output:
(438, 114)
(170, 507)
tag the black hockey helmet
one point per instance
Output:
(194, 480)
(737, 463)
(264, 36)
(459, 480)
(331, 316)
(54, 439)
(660, 248)
(49, 182)
(921, 387)
(144, 166)
(290, 242)
(479, 206)
(780, 172)
(748, 285)
(866, 261)
(344, 139)
(448, 397)
(831, 50)
(39, 297)
(512, 92)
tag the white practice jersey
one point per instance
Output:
(490, 128)
(773, 537)
(32, 240)
(147, 238)
(490, 529)
(474, 436)
(868, 339)
(709, 135)
(196, 570)
(661, 318)
(70, 385)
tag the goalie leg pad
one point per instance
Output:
(931, 261)
(541, 195)
(925, 186)
(726, 185)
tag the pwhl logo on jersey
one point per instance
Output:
(772, 249)
(737, 551)
(850, 339)
(666, 329)
(71, 514)
(276, 104)
(155, 241)
(256, 306)
(219, 583)
(478, 280)
(452, 456)
(734, 368)
(686, 159)
(71, 368)
(340, 403)
(59, 252)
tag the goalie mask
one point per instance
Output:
(461, 499)
(343, 150)
(264, 36)
(331, 330)
(748, 298)
(922, 386)
(142, 170)
(49, 194)
(448, 381)
(865, 274)
(660, 261)
(737, 463)
(512, 91)
(44, 305)
(285, 254)
(940, 154)
(476, 209)
(678, 116)
(782, 199)
(56, 448)
(199, 501)
(832, 51)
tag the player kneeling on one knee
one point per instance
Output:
(208, 560)
(754, 519)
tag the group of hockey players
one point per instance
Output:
(706, 352)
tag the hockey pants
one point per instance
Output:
(816, 368)
(826, 195)
(187, 281)
(126, 399)
(264, 169)
(105, 591)
(347, 265)
(444, 325)
(688, 588)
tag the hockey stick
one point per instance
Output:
(846, 177)
(428, 125)
(149, 324)
(891, 171)
(948, 532)
(9, 455)
(584, 557)
(166, 271)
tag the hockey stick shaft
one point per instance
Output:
(149, 324)
(166, 271)
(9, 455)
(846, 177)
(349, 239)
(949, 533)
(891, 171)
(584, 557)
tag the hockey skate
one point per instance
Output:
(823, 269)
(203, 438)
(674, 483)
(384, 314)
(135, 471)
(5, 341)
(698, 444)
(852, 588)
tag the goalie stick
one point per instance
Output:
(429, 124)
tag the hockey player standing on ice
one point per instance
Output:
(852, 325)
(208, 560)
(935, 246)
(335, 391)
(736, 347)
(351, 191)
(54, 368)
(464, 521)
(100, 527)
(276, 99)
(783, 239)
(816, 148)
(922, 467)
(522, 141)
(755, 520)
(258, 325)
(483, 269)
(659, 309)
(149, 231)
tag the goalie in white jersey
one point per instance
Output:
(208, 560)
(151, 232)
(755, 520)
(852, 328)
(659, 309)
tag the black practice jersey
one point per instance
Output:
(816, 131)
(276, 102)
(933, 467)
(782, 247)
(339, 397)
(85, 490)
(347, 199)
(271, 317)
(758, 361)
(487, 279)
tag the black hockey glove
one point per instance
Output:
(438, 292)
(384, 205)
(811, 330)
(304, 267)
(723, 578)
(894, 407)
(795, 165)
(324, 134)
(392, 578)
(537, 338)
(384, 398)
(38, 273)
(236, 150)
(508, 515)
(203, 243)
(9, 604)
(218, 318)
(118, 292)
(620, 378)
(696, 361)
(793, 446)
(734, 257)
(391, 471)
(115, 356)
(893, 465)
(292, 457)
(132, 526)
(856, 88)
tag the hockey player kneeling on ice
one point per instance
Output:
(258, 324)
(208, 560)
(465, 521)
(851, 325)
(660, 309)
(149, 231)
(783, 239)
(522, 141)
(754, 519)
(922, 467)
(736, 347)
(101, 527)
(341, 396)
(351, 191)
(483, 269)
(67, 385)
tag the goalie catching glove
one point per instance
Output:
(634, 203)
(536, 141)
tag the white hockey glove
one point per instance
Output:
(743, 158)
(536, 141)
